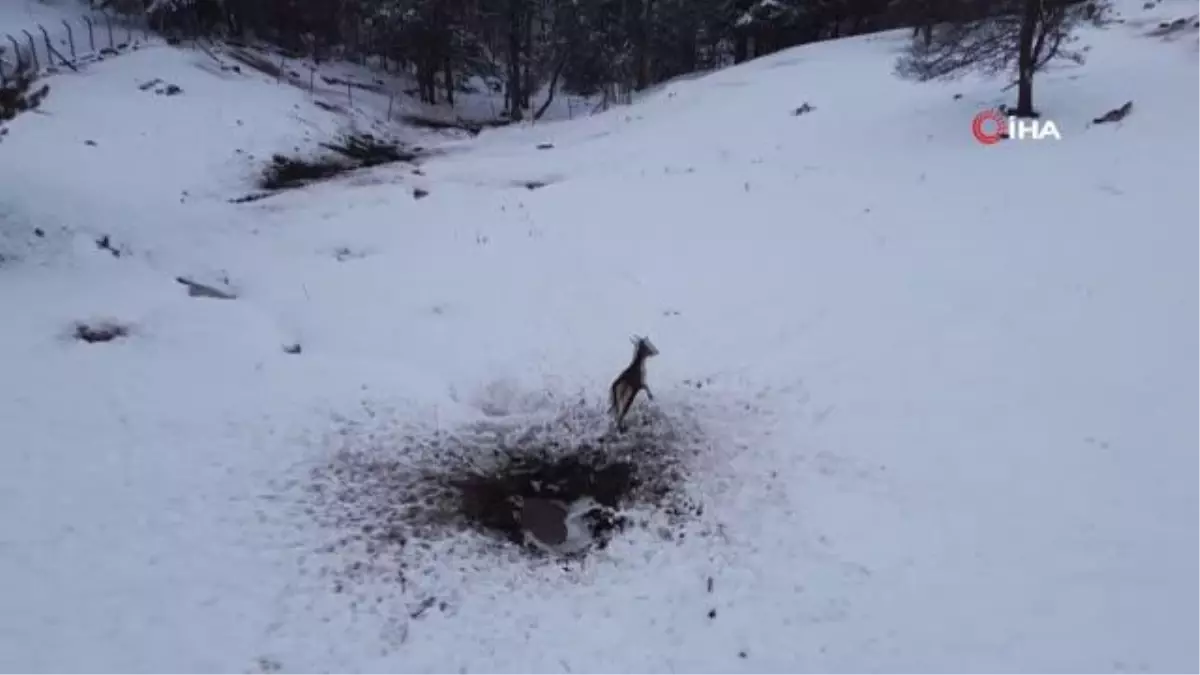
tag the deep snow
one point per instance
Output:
(951, 389)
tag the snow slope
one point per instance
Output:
(17, 15)
(952, 388)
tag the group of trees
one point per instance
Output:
(588, 47)
(613, 47)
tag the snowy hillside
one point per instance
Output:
(934, 402)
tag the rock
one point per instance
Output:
(199, 290)
(252, 197)
(418, 193)
(545, 146)
(104, 243)
(1115, 115)
(105, 331)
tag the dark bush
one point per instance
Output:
(289, 172)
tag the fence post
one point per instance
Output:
(91, 33)
(17, 53)
(70, 38)
(32, 49)
(51, 52)
(49, 47)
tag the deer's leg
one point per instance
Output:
(648, 394)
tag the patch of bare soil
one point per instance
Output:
(520, 485)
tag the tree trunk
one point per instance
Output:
(641, 54)
(427, 76)
(528, 84)
(515, 95)
(741, 47)
(448, 75)
(1024, 97)
(558, 69)
(687, 53)
(1025, 61)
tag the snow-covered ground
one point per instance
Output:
(951, 389)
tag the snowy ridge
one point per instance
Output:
(949, 390)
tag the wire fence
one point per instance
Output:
(45, 49)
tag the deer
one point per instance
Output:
(631, 381)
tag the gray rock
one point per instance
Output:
(199, 290)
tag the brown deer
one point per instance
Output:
(631, 381)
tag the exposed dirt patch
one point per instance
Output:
(494, 500)
(256, 61)
(366, 150)
(385, 494)
(471, 127)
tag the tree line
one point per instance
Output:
(611, 48)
